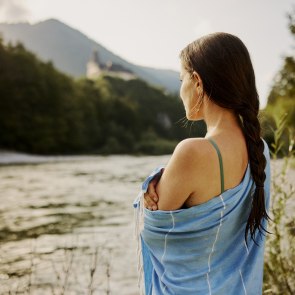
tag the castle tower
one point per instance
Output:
(93, 67)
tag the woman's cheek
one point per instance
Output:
(181, 92)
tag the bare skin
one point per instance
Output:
(192, 175)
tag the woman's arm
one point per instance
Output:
(177, 181)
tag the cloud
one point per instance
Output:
(203, 28)
(13, 11)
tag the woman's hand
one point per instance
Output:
(150, 197)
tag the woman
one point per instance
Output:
(205, 214)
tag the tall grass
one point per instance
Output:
(279, 264)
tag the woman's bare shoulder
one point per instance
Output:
(186, 166)
(192, 150)
(190, 159)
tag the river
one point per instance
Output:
(67, 223)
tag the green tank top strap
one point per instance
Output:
(220, 163)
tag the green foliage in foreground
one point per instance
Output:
(279, 265)
(46, 112)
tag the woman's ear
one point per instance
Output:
(197, 78)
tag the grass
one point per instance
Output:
(279, 265)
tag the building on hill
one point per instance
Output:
(95, 69)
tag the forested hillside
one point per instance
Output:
(44, 111)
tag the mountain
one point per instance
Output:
(70, 50)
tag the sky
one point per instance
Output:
(152, 32)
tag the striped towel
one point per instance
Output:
(201, 250)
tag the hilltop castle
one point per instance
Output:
(96, 69)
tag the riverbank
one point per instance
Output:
(11, 158)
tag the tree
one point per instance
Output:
(282, 96)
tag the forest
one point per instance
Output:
(43, 111)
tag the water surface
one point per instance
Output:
(66, 225)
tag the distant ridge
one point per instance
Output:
(70, 50)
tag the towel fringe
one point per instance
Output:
(138, 222)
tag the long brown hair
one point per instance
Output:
(224, 65)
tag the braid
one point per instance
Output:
(255, 147)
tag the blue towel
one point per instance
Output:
(201, 250)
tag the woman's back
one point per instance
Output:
(207, 175)
(192, 175)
